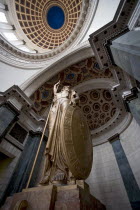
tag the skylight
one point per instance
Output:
(10, 36)
(32, 51)
(3, 18)
(24, 48)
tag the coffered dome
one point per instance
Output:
(48, 24)
(42, 29)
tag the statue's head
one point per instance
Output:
(66, 88)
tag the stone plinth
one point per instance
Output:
(52, 197)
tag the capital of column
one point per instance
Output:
(114, 138)
(133, 95)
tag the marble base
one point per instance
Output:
(70, 197)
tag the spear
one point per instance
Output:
(31, 173)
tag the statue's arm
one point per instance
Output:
(55, 88)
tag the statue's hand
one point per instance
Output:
(58, 83)
(55, 88)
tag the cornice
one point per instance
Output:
(23, 105)
(119, 128)
(134, 20)
(133, 95)
(7, 56)
(101, 39)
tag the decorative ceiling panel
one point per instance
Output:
(78, 73)
(98, 107)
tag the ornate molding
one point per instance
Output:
(101, 39)
(23, 105)
(135, 18)
(119, 128)
(95, 84)
(133, 95)
(7, 56)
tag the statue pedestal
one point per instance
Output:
(51, 197)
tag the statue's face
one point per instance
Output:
(66, 88)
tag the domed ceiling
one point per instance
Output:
(39, 30)
(49, 23)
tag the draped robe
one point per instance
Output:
(56, 167)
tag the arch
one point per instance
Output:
(95, 84)
(78, 54)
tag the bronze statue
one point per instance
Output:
(64, 113)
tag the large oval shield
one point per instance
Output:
(77, 142)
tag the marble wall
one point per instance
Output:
(105, 179)
(12, 155)
(7, 116)
(16, 154)
(17, 77)
(130, 140)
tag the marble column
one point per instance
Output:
(25, 163)
(126, 53)
(7, 117)
(128, 177)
